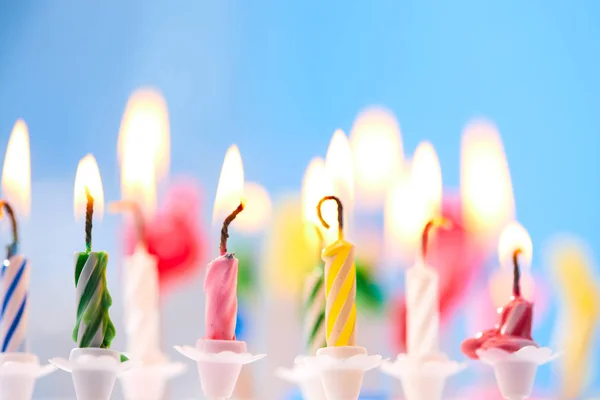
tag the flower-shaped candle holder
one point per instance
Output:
(219, 364)
(423, 378)
(342, 369)
(18, 372)
(515, 372)
(148, 381)
(94, 371)
(307, 378)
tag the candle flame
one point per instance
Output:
(486, 188)
(514, 237)
(315, 186)
(88, 176)
(231, 185)
(412, 202)
(257, 209)
(144, 147)
(16, 174)
(377, 151)
(340, 168)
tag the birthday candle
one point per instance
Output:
(314, 311)
(14, 284)
(422, 302)
(340, 285)
(93, 327)
(220, 286)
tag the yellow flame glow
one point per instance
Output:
(315, 186)
(514, 237)
(16, 174)
(340, 168)
(144, 147)
(486, 188)
(88, 175)
(230, 190)
(411, 203)
(377, 152)
(258, 209)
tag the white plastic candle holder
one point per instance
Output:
(149, 381)
(18, 372)
(306, 377)
(423, 378)
(94, 371)
(342, 369)
(219, 364)
(515, 372)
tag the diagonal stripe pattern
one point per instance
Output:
(93, 327)
(340, 294)
(14, 284)
(314, 311)
(422, 311)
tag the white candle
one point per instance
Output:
(142, 313)
(422, 302)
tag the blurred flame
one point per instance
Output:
(16, 174)
(230, 190)
(514, 237)
(144, 147)
(257, 211)
(486, 188)
(377, 150)
(340, 169)
(315, 186)
(412, 202)
(88, 175)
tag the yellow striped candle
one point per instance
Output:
(340, 285)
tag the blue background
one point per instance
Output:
(277, 77)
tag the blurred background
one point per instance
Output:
(278, 78)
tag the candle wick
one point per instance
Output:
(438, 222)
(225, 228)
(138, 217)
(13, 247)
(340, 211)
(516, 273)
(89, 213)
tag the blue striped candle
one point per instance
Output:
(14, 285)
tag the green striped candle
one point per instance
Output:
(314, 311)
(93, 327)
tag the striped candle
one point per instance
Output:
(340, 285)
(14, 284)
(314, 311)
(93, 327)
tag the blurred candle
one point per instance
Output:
(15, 271)
(377, 152)
(314, 308)
(93, 327)
(258, 209)
(410, 204)
(143, 148)
(340, 284)
(422, 300)
(486, 188)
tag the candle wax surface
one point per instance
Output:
(220, 287)
(512, 334)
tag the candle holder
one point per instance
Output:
(94, 371)
(515, 372)
(423, 378)
(342, 369)
(18, 372)
(308, 379)
(219, 364)
(149, 381)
